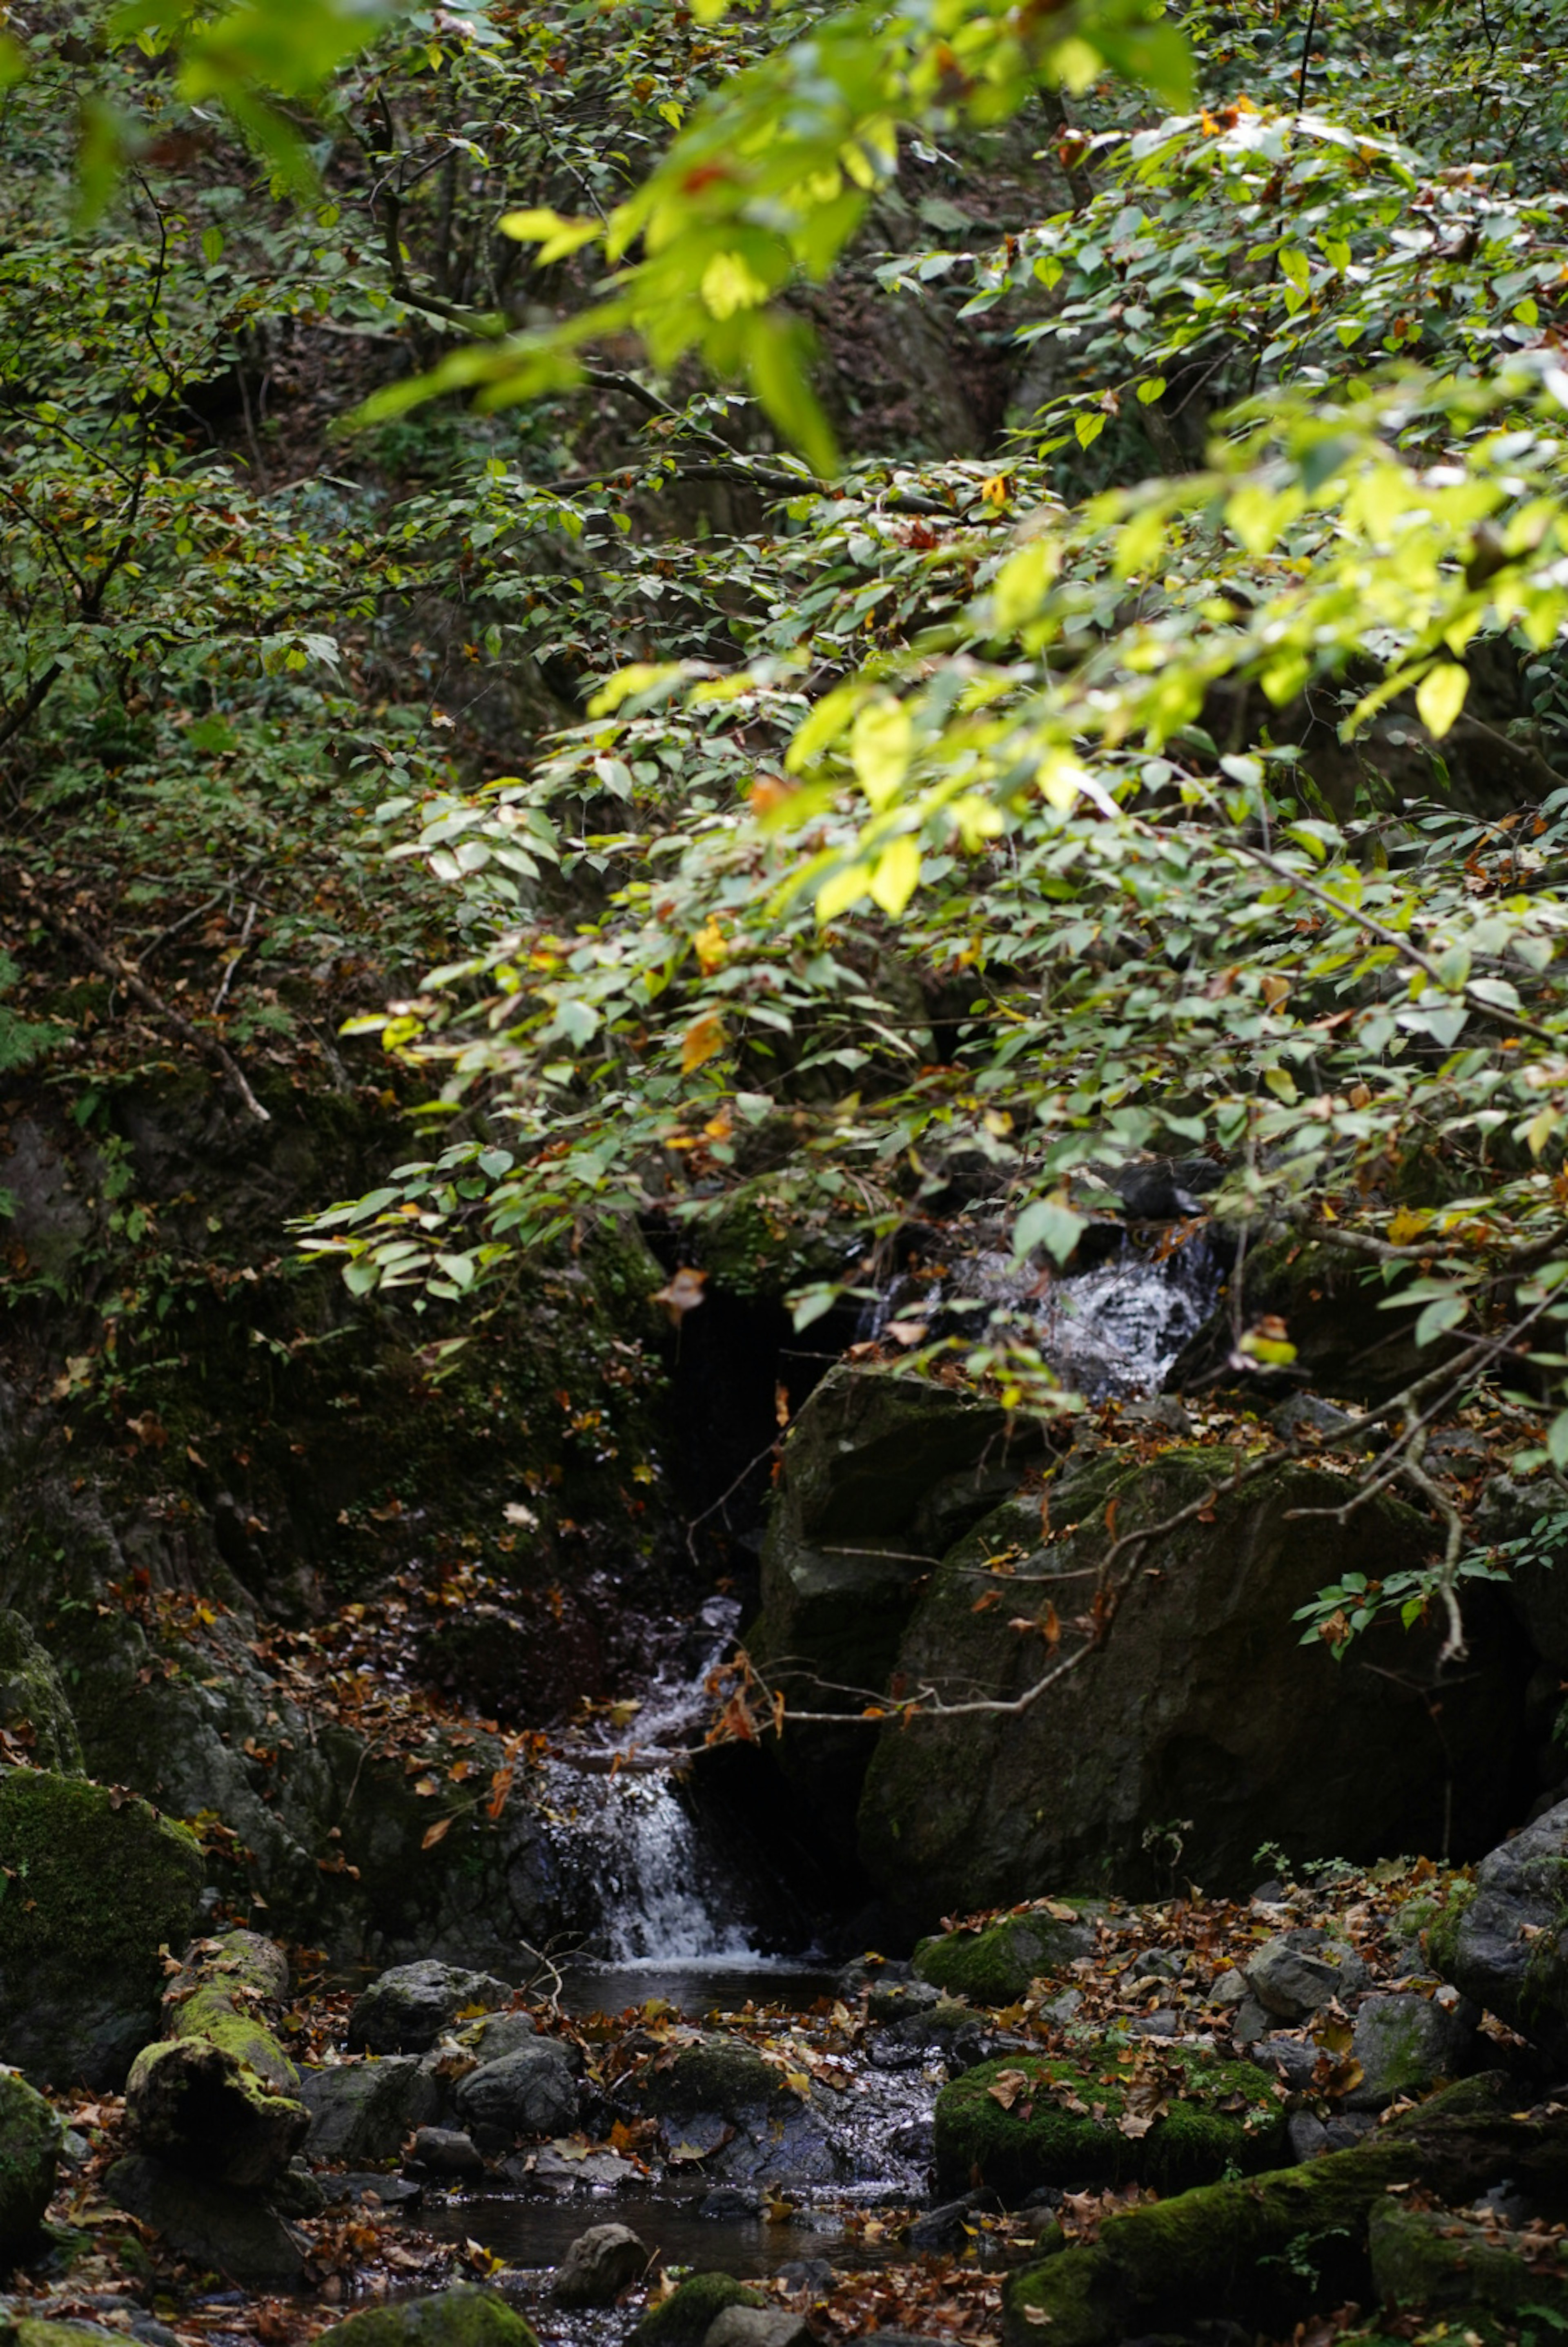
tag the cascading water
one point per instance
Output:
(628, 1851)
(1112, 1329)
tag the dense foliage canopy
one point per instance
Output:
(428, 564)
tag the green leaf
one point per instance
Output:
(1050, 1224)
(1440, 697)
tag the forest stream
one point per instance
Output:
(783, 1173)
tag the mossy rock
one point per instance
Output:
(1441, 1934)
(29, 2151)
(465, 2316)
(1217, 2117)
(33, 1698)
(95, 1883)
(1428, 2260)
(995, 1966)
(683, 2319)
(33, 2331)
(717, 2074)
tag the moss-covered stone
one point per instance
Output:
(1035, 2119)
(34, 1706)
(465, 2316)
(29, 2149)
(683, 2318)
(995, 1966)
(33, 2331)
(1271, 2248)
(1440, 1935)
(95, 1885)
(1429, 2261)
(717, 2074)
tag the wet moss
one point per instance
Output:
(1428, 2260)
(684, 2318)
(29, 2148)
(95, 1884)
(1442, 1932)
(1078, 2119)
(719, 2073)
(461, 2317)
(996, 1966)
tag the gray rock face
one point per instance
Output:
(530, 2092)
(1291, 1978)
(447, 2151)
(406, 2009)
(1509, 1952)
(756, 2326)
(847, 1549)
(211, 2224)
(363, 2110)
(789, 2145)
(499, 2034)
(32, 1701)
(1202, 1705)
(1405, 2046)
(598, 2266)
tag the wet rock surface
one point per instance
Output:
(405, 2010)
(598, 2266)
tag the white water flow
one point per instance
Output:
(632, 1860)
(1114, 1330)
(625, 1844)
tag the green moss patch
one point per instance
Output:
(95, 1885)
(684, 2318)
(464, 2317)
(1441, 1934)
(995, 1966)
(29, 2147)
(1164, 2117)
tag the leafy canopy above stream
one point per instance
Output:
(1183, 773)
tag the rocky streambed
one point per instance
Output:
(1333, 2103)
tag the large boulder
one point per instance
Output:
(1171, 2119)
(1201, 1726)
(598, 2266)
(1407, 2045)
(95, 1884)
(1442, 2263)
(881, 1474)
(29, 2151)
(717, 2074)
(405, 2010)
(1508, 1945)
(685, 2317)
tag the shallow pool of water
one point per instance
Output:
(531, 2234)
(707, 1984)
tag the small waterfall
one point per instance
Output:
(629, 1849)
(1113, 1328)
